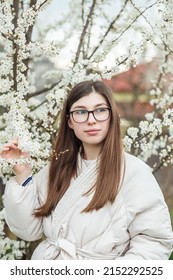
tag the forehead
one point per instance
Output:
(91, 100)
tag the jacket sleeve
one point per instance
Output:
(20, 203)
(148, 218)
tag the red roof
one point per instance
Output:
(136, 110)
(135, 78)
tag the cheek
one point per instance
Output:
(78, 133)
(75, 127)
(77, 130)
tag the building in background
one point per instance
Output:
(131, 91)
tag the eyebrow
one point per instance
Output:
(84, 107)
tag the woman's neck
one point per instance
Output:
(91, 152)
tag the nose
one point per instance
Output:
(91, 118)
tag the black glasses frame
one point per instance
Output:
(90, 112)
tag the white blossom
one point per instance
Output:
(133, 132)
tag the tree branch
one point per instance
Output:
(15, 47)
(28, 38)
(83, 18)
(141, 13)
(136, 8)
(84, 32)
(113, 41)
(159, 80)
(41, 91)
(41, 5)
(34, 108)
(108, 30)
(162, 162)
(8, 37)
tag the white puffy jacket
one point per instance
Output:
(136, 226)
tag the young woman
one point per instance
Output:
(93, 201)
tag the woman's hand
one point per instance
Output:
(11, 151)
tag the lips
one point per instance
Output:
(92, 131)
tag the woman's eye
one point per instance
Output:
(80, 112)
(99, 110)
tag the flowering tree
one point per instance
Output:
(103, 39)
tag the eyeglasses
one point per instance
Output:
(81, 116)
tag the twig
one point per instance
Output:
(36, 107)
(162, 161)
(108, 30)
(41, 91)
(113, 41)
(141, 13)
(84, 32)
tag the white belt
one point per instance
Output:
(69, 251)
(61, 245)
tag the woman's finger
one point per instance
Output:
(5, 149)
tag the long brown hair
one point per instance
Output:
(67, 148)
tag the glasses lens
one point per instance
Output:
(101, 114)
(80, 115)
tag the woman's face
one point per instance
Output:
(91, 132)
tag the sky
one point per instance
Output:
(53, 10)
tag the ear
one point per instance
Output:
(70, 123)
